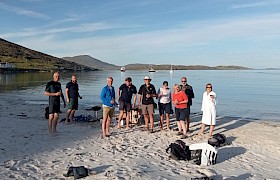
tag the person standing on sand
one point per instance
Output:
(146, 94)
(209, 110)
(180, 100)
(164, 103)
(72, 95)
(54, 91)
(189, 92)
(108, 98)
(125, 93)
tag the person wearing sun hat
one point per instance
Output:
(146, 95)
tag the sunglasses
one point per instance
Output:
(183, 81)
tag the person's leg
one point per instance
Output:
(54, 124)
(104, 121)
(108, 123)
(107, 129)
(146, 118)
(167, 121)
(188, 119)
(67, 116)
(202, 129)
(120, 118)
(128, 109)
(211, 130)
(151, 115)
(50, 123)
(127, 119)
(151, 120)
(146, 115)
(182, 123)
(179, 127)
(71, 117)
(161, 121)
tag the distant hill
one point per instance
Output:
(181, 67)
(89, 61)
(27, 59)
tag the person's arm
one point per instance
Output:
(140, 96)
(134, 100)
(154, 92)
(66, 94)
(119, 94)
(173, 100)
(114, 96)
(185, 99)
(102, 95)
(191, 93)
(62, 97)
(159, 94)
(52, 94)
(139, 100)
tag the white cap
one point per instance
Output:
(147, 78)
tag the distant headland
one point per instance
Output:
(14, 57)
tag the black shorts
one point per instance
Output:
(125, 106)
(54, 107)
(181, 114)
(164, 108)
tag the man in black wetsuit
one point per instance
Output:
(54, 91)
(72, 95)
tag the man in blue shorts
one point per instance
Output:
(72, 95)
(54, 91)
(125, 93)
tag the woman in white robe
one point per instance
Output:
(209, 110)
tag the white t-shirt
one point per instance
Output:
(166, 95)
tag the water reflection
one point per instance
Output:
(18, 81)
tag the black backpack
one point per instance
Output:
(78, 172)
(179, 150)
(218, 140)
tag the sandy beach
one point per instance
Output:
(27, 151)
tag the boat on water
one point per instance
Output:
(171, 70)
(152, 70)
(122, 69)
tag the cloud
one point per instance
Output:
(187, 37)
(255, 4)
(25, 12)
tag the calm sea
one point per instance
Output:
(252, 94)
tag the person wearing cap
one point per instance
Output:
(189, 92)
(164, 103)
(108, 98)
(146, 95)
(209, 110)
(125, 93)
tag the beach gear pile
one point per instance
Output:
(83, 118)
(200, 153)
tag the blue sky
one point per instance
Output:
(187, 32)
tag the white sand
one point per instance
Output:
(27, 151)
